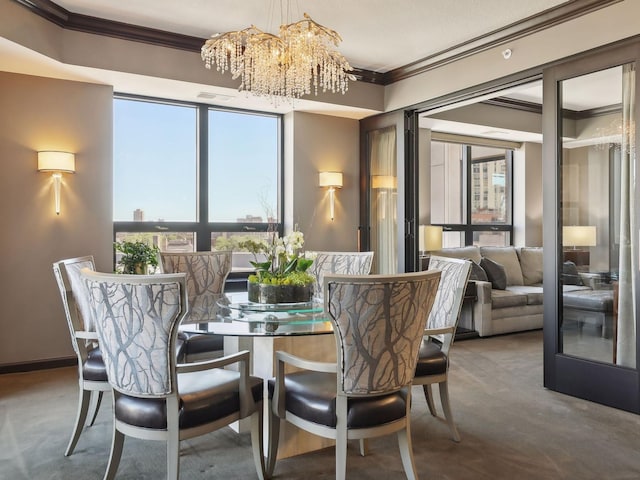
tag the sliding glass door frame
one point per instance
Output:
(406, 238)
(604, 383)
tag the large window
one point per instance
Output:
(471, 194)
(189, 177)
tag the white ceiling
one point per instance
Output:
(378, 35)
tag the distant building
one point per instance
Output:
(138, 215)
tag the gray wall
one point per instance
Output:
(40, 113)
(527, 195)
(44, 114)
(321, 143)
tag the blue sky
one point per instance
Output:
(155, 154)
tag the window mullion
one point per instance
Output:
(203, 234)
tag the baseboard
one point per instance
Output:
(38, 365)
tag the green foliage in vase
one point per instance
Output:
(136, 256)
(285, 264)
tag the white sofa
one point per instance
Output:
(519, 306)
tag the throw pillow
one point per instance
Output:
(570, 275)
(508, 258)
(478, 273)
(531, 264)
(495, 273)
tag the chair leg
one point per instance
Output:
(81, 416)
(341, 453)
(94, 406)
(173, 455)
(406, 452)
(116, 452)
(446, 407)
(364, 446)
(257, 442)
(274, 438)
(428, 396)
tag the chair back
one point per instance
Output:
(74, 294)
(137, 318)
(378, 322)
(448, 302)
(341, 263)
(206, 273)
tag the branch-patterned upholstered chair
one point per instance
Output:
(433, 359)
(378, 322)
(137, 318)
(206, 274)
(340, 263)
(92, 375)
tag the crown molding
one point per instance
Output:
(535, 23)
(528, 26)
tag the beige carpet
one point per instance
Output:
(511, 428)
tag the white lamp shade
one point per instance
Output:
(331, 179)
(384, 181)
(579, 236)
(50, 161)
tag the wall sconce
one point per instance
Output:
(57, 163)
(384, 184)
(331, 180)
(388, 182)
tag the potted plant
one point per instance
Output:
(283, 277)
(137, 256)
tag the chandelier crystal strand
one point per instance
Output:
(298, 61)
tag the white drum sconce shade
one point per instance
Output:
(331, 180)
(56, 163)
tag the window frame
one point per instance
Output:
(467, 227)
(202, 228)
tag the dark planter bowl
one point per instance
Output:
(262, 293)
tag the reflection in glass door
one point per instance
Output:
(384, 199)
(598, 317)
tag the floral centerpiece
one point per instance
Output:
(283, 277)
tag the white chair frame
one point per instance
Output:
(340, 433)
(172, 435)
(90, 391)
(445, 334)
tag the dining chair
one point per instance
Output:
(206, 275)
(341, 263)
(439, 334)
(92, 375)
(137, 318)
(378, 322)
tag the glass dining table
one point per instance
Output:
(236, 316)
(301, 329)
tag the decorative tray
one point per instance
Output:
(303, 307)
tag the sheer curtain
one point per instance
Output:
(626, 337)
(384, 199)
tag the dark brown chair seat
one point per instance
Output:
(431, 359)
(204, 398)
(312, 396)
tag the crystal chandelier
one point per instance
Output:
(301, 59)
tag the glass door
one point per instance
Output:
(591, 311)
(388, 204)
